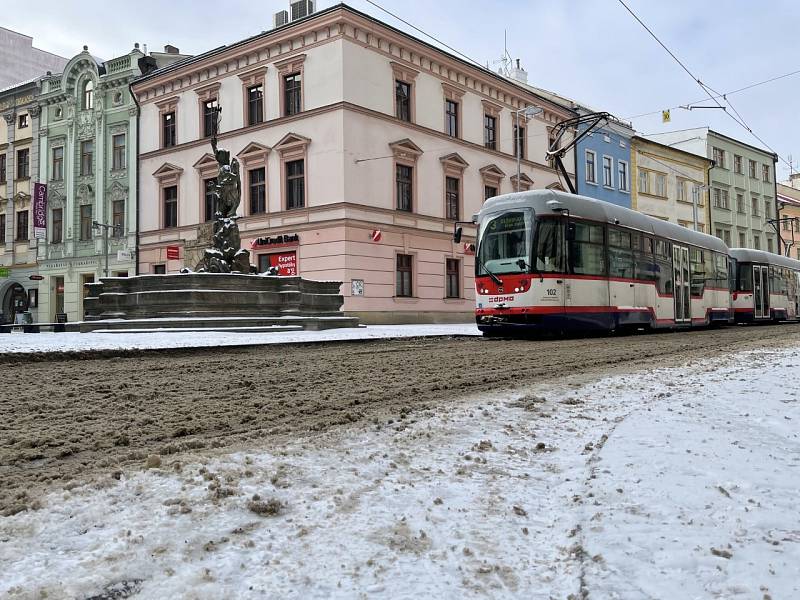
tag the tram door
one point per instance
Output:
(681, 278)
(761, 291)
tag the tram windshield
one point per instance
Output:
(505, 243)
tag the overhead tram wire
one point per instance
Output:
(703, 86)
(724, 96)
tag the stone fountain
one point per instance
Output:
(224, 291)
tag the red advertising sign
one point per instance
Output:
(173, 252)
(375, 235)
(285, 261)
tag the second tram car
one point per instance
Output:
(548, 260)
(766, 286)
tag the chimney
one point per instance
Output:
(170, 49)
(281, 18)
(519, 74)
(794, 180)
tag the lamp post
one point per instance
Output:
(529, 112)
(105, 227)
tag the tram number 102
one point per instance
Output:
(552, 292)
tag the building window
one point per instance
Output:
(644, 182)
(255, 104)
(292, 90)
(719, 157)
(661, 185)
(769, 245)
(680, 187)
(404, 182)
(295, 184)
(168, 136)
(451, 117)
(57, 235)
(118, 217)
(727, 235)
(22, 226)
(765, 173)
(87, 157)
(622, 172)
(24, 121)
(756, 242)
(2, 229)
(489, 191)
(402, 97)
(452, 275)
(2, 168)
(209, 117)
(591, 176)
(519, 141)
(737, 164)
(258, 190)
(159, 269)
(767, 211)
(607, 172)
(753, 169)
(23, 163)
(490, 132)
(57, 171)
(403, 285)
(740, 204)
(88, 95)
(86, 222)
(452, 192)
(724, 199)
(170, 206)
(754, 206)
(209, 198)
(118, 152)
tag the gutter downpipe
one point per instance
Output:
(138, 186)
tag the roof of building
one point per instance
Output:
(332, 9)
(708, 130)
(671, 148)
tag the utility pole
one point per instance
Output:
(105, 227)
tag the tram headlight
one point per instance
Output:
(516, 289)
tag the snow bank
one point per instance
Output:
(667, 484)
(68, 342)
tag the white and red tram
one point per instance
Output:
(766, 286)
(548, 260)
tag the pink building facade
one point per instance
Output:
(359, 146)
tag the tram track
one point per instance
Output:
(66, 419)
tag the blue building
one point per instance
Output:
(603, 163)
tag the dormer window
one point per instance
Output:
(88, 95)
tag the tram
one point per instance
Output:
(766, 286)
(552, 261)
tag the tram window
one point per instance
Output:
(648, 245)
(721, 268)
(662, 249)
(698, 272)
(548, 255)
(645, 267)
(746, 277)
(620, 263)
(586, 251)
(709, 268)
(663, 274)
(636, 241)
(618, 238)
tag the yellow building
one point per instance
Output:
(789, 216)
(670, 184)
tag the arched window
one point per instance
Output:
(88, 95)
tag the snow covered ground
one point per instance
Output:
(675, 484)
(69, 342)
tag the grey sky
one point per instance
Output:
(592, 50)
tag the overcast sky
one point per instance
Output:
(591, 50)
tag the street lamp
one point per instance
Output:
(528, 112)
(105, 227)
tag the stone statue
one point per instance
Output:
(227, 255)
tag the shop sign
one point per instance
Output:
(376, 235)
(40, 211)
(173, 252)
(289, 239)
(285, 261)
(124, 255)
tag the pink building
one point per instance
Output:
(359, 147)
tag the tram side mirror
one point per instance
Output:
(571, 232)
(457, 235)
